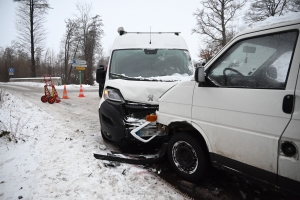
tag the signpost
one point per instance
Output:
(80, 66)
(79, 77)
(11, 71)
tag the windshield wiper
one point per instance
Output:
(119, 76)
(138, 78)
(125, 77)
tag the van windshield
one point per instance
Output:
(151, 64)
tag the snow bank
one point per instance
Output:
(70, 86)
(55, 158)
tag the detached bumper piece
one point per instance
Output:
(137, 159)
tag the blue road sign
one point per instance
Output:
(11, 70)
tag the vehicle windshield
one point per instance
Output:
(151, 64)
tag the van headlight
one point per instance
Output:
(113, 95)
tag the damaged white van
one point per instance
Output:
(142, 66)
(242, 111)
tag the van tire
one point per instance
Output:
(187, 157)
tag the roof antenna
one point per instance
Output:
(150, 35)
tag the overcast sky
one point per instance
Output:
(133, 15)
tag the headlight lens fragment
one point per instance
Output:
(113, 95)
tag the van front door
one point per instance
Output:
(289, 145)
(240, 109)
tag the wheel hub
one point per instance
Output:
(185, 157)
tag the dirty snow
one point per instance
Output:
(53, 158)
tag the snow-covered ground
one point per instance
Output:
(53, 158)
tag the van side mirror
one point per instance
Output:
(272, 72)
(100, 74)
(200, 75)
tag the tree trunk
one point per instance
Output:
(223, 24)
(33, 73)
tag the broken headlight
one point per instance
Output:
(113, 95)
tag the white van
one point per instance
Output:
(242, 111)
(142, 66)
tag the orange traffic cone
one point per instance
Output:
(65, 94)
(81, 92)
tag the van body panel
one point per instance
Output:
(254, 119)
(158, 41)
(237, 167)
(177, 99)
(141, 68)
(287, 166)
(236, 135)
(139, 91)
(249, 105)
(169, 118)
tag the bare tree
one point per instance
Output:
(215, 19)
(30, 20)
(261, 9)
(90, 33)
(70, 41)
(294, 5)
(14, 57)
(7, 61)
(22, 61)
(207, 53)
(102, 58)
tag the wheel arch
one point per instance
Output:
(191, 128)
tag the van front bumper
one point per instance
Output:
(116, 125)
(112, 125)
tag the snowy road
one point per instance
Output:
(55, 160)
(82, 109)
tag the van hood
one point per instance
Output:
(140, 91)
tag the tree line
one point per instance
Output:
(83, 33)
(216, 19)
(81, 40)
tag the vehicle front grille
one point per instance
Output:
(139, 109)
(140, 106)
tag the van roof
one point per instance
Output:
(273, 22)
(142, 41)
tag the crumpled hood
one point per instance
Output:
(140, 91)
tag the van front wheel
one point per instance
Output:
(187, 157)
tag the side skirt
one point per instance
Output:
(256, 174)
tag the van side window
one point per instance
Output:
(260, 62)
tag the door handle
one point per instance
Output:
(288, 104)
